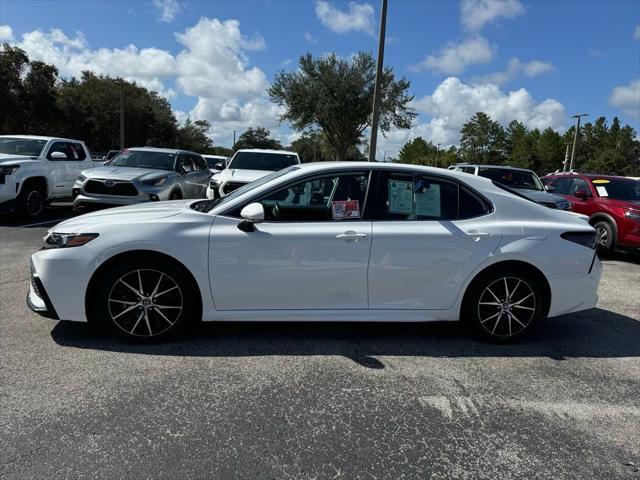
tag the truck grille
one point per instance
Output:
(231, 186)
(123, 189)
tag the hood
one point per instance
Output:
(12, 158)
(125, 173)
(635, 204)
(239, 175)
(540, 195)
(131, 214)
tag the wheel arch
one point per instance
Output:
(517, 265)
(599, 216)
(138, 255)
(37, 179)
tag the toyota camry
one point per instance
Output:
(323, 242)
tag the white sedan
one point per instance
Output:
(323, 242)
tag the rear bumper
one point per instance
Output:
(575, 291)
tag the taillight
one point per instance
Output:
(587, 239)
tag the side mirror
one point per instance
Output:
(219, 166)
(549, 188)
(58, 156)
(581, 194)
(252, 214)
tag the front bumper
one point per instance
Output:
(38, 299)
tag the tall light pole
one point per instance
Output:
(575, 137)
(376, 90)
(234, 140)
(565, 164)
(437, 153)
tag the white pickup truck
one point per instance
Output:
(37, 170)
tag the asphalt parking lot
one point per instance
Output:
(294, 401)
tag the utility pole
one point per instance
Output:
(575, 137)
(565, 164)
(121, 117)
(376, 90)
(437, 153)
(234, 140)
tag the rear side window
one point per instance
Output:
(471, 205)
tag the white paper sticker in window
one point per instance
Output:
(428, 200)
(400, 196)
(345, 209)
(602, 191)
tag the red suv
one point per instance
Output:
(611, 203)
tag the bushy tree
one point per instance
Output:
(483, 140)
(335, 95)
(257, 138)
(193, 136)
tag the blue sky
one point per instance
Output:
(538, 61)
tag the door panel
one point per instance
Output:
(423, 264)
(289, 265)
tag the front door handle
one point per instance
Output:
(351, 236)
(475, 235)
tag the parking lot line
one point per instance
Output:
(42, 223)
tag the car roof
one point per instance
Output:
(40, 137)
(160, 150)
(504, 167)
(590, 176)
(267, 150)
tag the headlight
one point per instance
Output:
(633, 215)
(154, 182)
(81, 178)
(67, 240)
(8, 169)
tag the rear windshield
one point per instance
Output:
(21, 146)
(262, 161)
(512, 178)
(618, 189)
(144, 159)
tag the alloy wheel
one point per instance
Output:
(506, 307)
(35, 203)
(145, 303)
(603, 237)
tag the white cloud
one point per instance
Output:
(453, 58)
(6, 33)
(515, 69)
(359, 17)
(627, 98)
(475, 14)
(167, 9)
(309, 37)
(636, 32)
(453, 103)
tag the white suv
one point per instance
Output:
(36, 170)
(246, 166)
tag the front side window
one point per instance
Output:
(335, 197)
(262, 161)
(185, 165)
(562, 185)
(580, 185)
(21, 146)
(414, 196)
(72, 151)
(144, 159)
(199, 162)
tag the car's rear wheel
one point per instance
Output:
(604, 232)
(31, 201)
(504, 305)
(144, 301)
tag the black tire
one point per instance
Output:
(31, 201)
(175, 195)
(516, 308)
(605, 236)
(146, 319)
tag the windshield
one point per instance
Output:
(208, 205)
(21, 146)
(213, 161)
(144, 159)
(512, 178)
(618, 189)
(262, 161)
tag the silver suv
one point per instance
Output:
(145, 174)
(524, 181)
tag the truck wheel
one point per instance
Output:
(31, 201)
(604, 233)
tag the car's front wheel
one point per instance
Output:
(31, 201)
(504, 305)
(604, 234)
(143, 301)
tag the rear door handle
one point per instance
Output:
(351, 236)
(475, 235)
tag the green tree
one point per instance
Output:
(519, 148)
(483, 140)
(418, 152)
(193, 136)
(257, 138)
(312, 147)
(549, 152)
(335, 95)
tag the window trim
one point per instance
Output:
(232, 211)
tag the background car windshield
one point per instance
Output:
(262, 161)
(628, 190)
(512, 178)
(143, 159)
(21, 146)
(213, 161)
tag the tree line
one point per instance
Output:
(327, 100)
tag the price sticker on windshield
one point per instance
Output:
(600, 181)
(345, 209)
